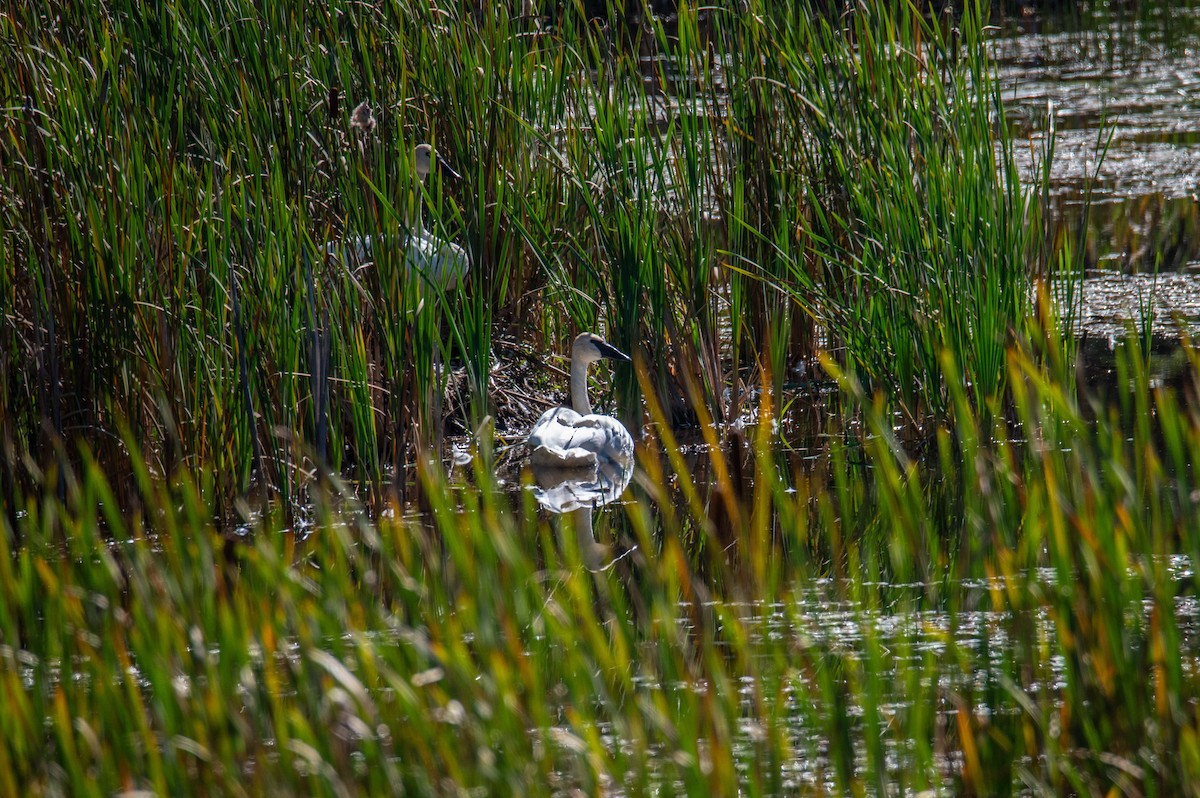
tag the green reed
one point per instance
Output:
(718, 195)
(1010, 607)
(918, 234)
(180, 364)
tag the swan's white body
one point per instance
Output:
(578, 438)
(442, 263)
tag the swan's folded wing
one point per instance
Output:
(590, 422)
(441, 262)
(558, 457)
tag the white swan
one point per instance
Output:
(443, 263)
(566, 438)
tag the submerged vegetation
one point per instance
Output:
(215, 438)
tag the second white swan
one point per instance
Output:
(443, 263)
(577, 438)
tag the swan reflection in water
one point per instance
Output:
(579, 491)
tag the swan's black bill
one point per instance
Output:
(445, 167)
(611, 352)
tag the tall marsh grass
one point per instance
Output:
(1014, 615)
(212, 579)
(721, 194)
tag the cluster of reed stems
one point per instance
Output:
(725, 192)
(211, 583)
(1013, 615)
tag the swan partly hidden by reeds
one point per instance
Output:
(442, 263)
(574, 437)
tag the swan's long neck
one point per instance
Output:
(418, 224)
(579, 394)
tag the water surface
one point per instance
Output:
(1122, 86)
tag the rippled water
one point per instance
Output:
(1130, 85)
(1125, 86)
(1142, 93)
(822, 621)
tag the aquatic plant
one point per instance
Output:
(212, 576)
(715, 193)
(1014, 619)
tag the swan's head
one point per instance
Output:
(424, 158)
(589, 347)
